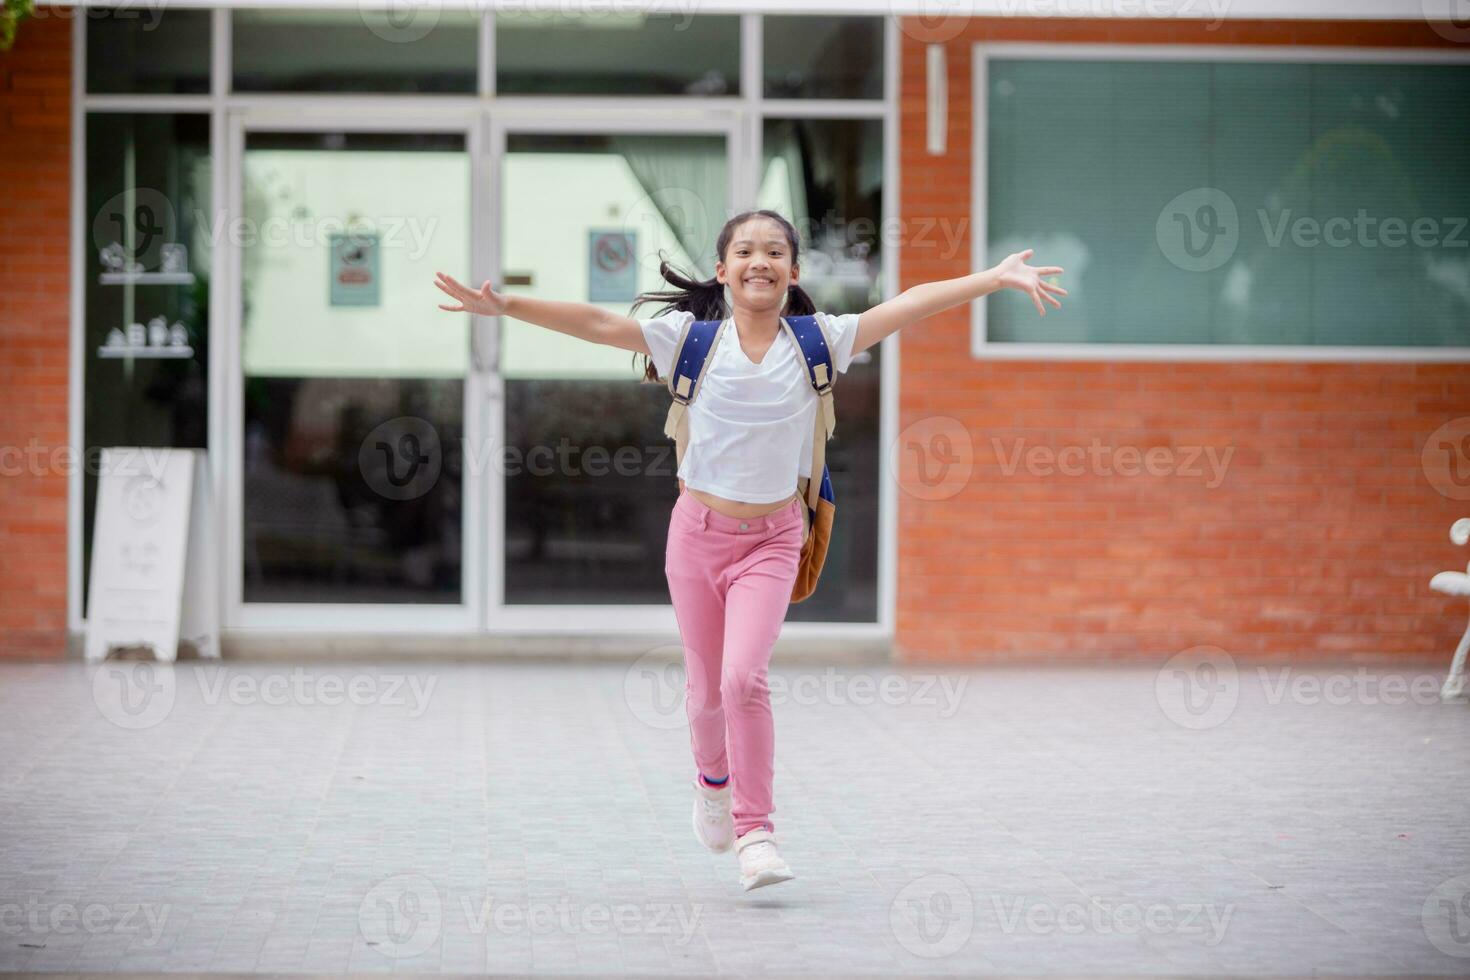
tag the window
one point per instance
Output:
(589, 475)
(823, 57)
(1229, 202)
(367, 50)
(826, 176)
(353, 480)
(145, 277)
(602, 52)
(148, 50)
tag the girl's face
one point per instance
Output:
(757, 266)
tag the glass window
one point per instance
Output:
(146, 289)
(148, 49)
(1230, 202)
(823, 57)
(589, 474)
(826, 176)
(421, 49)
(602, 52)
(353, 379)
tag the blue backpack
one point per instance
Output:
(691, 357)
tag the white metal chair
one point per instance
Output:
(1456, 583)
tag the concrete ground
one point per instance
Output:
(514, 817)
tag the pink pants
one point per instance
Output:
(730, 581)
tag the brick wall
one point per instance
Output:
(1319, 542)
(35, 174)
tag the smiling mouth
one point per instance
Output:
(760, 282)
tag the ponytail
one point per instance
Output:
(705, 298)
(798, 303)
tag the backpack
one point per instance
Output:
(690, 360)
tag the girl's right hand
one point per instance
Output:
(484, 301)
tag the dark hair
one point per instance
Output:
(706, 298)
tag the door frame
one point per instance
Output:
(378, 116)
(486, 129)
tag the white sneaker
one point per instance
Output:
(713, 824)
(760, 863)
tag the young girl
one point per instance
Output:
(736, 528)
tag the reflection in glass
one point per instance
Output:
(147, 192)
(826, 176)
(147, 49)
(352, 489)
(589, 474)
(1231, 202)
(420, 48)
(811, 57)
(609, 52)
(353, 379)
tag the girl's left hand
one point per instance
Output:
(1016, 274)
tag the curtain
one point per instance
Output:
(783, 184)
(686, 178)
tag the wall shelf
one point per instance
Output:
(145, 278)
(145, 352)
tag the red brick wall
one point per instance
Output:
(35, 322)
(1318, 544)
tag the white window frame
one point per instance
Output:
(981, 347)
(473, 616)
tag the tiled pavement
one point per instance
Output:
(513, 817)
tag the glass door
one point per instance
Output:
(348, 500)
(583, 210)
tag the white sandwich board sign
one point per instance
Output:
(154, 565)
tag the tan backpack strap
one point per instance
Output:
(825, 421)
(819, 457)
(671, 421)
(802, 486)
(680, 434)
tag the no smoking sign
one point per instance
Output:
(612, 273)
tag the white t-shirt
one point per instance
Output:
(750, 427)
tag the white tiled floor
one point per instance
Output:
(521, 817)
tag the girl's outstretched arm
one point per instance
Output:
(928, 298)
(583, 320)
